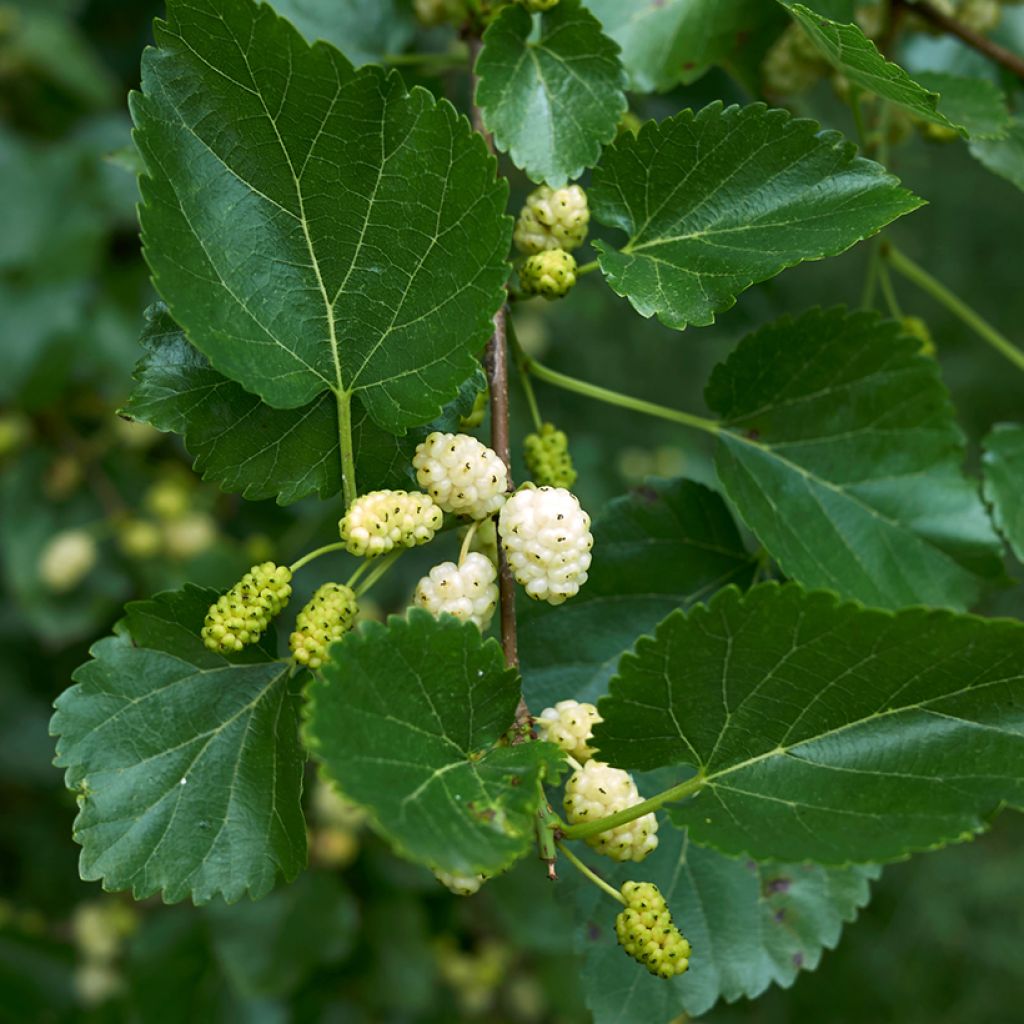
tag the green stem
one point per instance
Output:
(885, 280)
(590, 875)
(867, 299)
(358, 574)
(467, 540)
(379, 570)
(325, 550)
(586, 829)
(587, 268)
(938, 291)
(858, 118)
(428, 60)
(580, 387)
(524, 379)
(348, 457)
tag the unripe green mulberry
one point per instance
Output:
(548, 459)
(646, 932)
(570, 725)
(551, 274)
(330, 614)
(553, 218)
(382, 520)
(476, 415)
(461, 885)
(462, 474)
(539, 5)
(241, 616)
(598, 790)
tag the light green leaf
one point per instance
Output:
(1005, 156)
(364, 30)
(857, 58)
(661, 547)
(269, 949)
(188, 768)
(249, 447)
(841, 453)
(751, 925)
(347, 235)
(407, 720)
(975, 104)
(825, 731)
(1004, 482)
(716, 201)
(665, 42)
(551, 100)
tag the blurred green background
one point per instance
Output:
(363, 936)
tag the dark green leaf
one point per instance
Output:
(1004, 482)
(407, 719)
(665, 42)
(857, 58)
(364, 30)
(249, 447)
(270, 948)
(825, 731)
(751, 925)
(840, 452)
(716, 201)
(662, 547)
(344, 235)
(975, 104)
(553, 100)
(1005, 156)
(188, 768)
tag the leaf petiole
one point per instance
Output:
(524, 379)
(590, 875)
(348, 458)
(676, 793)
(904, 265)
(379, 571)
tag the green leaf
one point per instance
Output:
(347, 235)
(841, 453)
(1004, 482)
(1005, 156)
(269, 949)
(857, 58)
(665, 42)
(974, 104)
(551, 100)
(364, 30)
(825, 731)
(716, 201)
(188, 768)
(661, 547)
(407, 719)
(751, 925)
(255, 450)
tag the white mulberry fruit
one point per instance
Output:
(468, 591)
(570, 725)
(547, 540)
(382, 520)
(241, 616)
(646, 932)
(461, 474)
(551, 273)
(66, 560)
(329, 615)
(553, 218)
(596, 790)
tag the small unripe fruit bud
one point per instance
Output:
(461, 885)
(551, 274)
(646, 932)
(547, 457)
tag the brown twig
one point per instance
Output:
(1002, 56)
(496, 368)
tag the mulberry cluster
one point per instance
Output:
(241, 616)
(597, 790)
(551, 273)
(547, 457)
(461, 474)
(382, 520)
(547, 540)
(468, 591)
(570, 725)
(646, 932)
(330, 614)
(553, 218)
